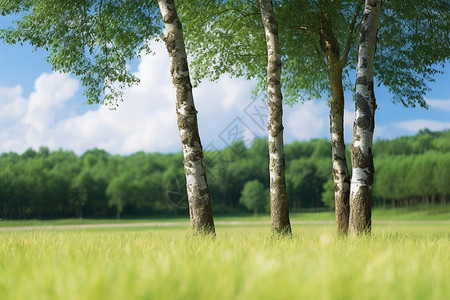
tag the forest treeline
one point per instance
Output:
(57, 184)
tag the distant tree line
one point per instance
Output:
(58, 184)
(412, 170)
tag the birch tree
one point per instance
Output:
(319, 44)
(365, 104)
(336, 63)
(279, 210)
(94, 40)
(200, 209)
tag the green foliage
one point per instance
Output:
(413, 169)
(304, 184)
(118, 190)
(92, 39)
(414, 41)
(234, 28)
(79, 191)
(253, 196)
(301, 24)
(424, 141)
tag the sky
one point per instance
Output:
(40, 107)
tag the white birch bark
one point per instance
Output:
(200, 208)
(279, 210)
(362, 160)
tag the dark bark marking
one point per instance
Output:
(363, 62)
(361, 80)
(362, 160)
(373, 3)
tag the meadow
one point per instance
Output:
(398, 261)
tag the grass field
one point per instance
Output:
(398, 261)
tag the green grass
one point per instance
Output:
(409, 261)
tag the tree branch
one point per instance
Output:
(350, 31)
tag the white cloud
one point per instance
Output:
(439, 104)
(26, 122)
(50, 93)
(218, 104)
(308, 120)
(416, 125)
(146, 120)
(233, 91)
(227, 95)
(12, 103)
(312, 120)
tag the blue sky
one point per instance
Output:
(41, 107)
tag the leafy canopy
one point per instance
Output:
(227, 37)
(93, 39)
(413, 42)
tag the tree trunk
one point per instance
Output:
(362, 160)
(279, 210)
(341, 175)
(200, 209)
